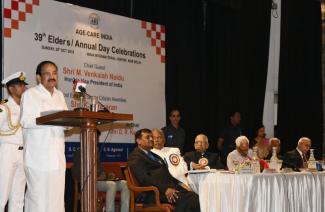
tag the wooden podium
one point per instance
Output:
(88, 122)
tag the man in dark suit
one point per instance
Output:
(298, 157)
(149, 169)
(200, 158)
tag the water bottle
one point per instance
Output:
(312, 161)
(274, 160)
(256, 167)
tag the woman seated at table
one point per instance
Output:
(240, 154)
(177, 167)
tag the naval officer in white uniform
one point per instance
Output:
(44, 157)
(12, 175)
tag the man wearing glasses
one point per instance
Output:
(200, 158)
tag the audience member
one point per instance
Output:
(200, 158)
(150, 169)
(298, 157)
(228, 135)
(174, 133)
(241, 153)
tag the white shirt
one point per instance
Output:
(43, 144)
(236, 156)
(301, 155)
(177, 171)
(16, 138)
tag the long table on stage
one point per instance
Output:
(276, 192)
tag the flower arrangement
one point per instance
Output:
(246, 164)
(239, 165)
(264, 164)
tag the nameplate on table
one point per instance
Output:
(201, 171)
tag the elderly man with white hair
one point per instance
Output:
(177, 167)
(298, 157)
(200, 158)
(241, 153)
(274, 142)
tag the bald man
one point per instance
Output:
(200, 158)
(298, 157)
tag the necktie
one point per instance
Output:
(151, 156)
(305, 164)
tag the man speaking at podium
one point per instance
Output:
(44, 157)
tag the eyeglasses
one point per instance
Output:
(157, 138)
(147, 138)
(200, 142)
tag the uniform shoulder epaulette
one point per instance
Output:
(3, 101)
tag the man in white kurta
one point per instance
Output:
(177, 167)
(44, 157)
(12, 175)
(240, 154)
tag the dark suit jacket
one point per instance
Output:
(292, 159)
(149, 172)
(213, 158)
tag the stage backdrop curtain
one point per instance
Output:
(217, 53)
(217, 63)
(300, 79)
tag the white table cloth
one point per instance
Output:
(276, 192)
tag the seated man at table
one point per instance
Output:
(151, 170)
(200, 158)
(298, 157)
(241, 153)
(175, 162)
(106, 183)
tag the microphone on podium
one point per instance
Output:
(80, 87)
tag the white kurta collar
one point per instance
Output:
(45, 91)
